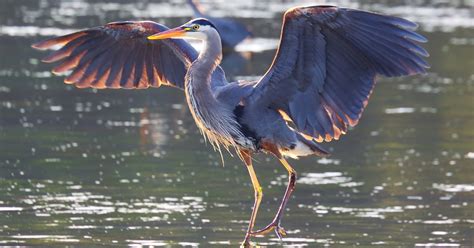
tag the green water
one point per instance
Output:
(129, 168)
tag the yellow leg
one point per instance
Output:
(275, 224)
(258, 195)
(287, 166)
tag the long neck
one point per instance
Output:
(198, 90)
(209, 58)
(215, 120)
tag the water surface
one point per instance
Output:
(129, 168)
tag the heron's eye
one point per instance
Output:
(195, 27)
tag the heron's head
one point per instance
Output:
(194, 29)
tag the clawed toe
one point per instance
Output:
(245, 244)
(279, 231)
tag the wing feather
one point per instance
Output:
(326, 64)
(65, 51)
(119, 55)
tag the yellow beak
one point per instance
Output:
(171, 33)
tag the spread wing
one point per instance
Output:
(326, 64)
(119, 55)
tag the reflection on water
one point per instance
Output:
(88, 203)
(454, 187)
(129, 168)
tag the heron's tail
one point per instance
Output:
(304, 147)
(314, 146)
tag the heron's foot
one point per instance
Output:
(274, 226)
(246, 243)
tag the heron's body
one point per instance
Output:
(318, 85)
(229, 123)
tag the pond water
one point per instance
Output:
(129, 168)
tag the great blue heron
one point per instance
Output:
(230, 31)
(318, 85)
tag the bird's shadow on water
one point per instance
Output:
(234, 63)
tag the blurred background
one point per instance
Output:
(129, 168)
